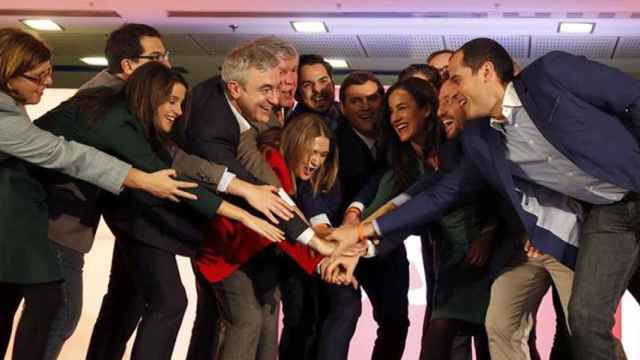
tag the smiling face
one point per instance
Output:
(477, 98)
(406, 117)
(257, 98)
(360, 106)
(29, 87)
(314, 158)
(171, 109)
(450, 111)
(317, 90)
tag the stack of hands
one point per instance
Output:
(344, 246)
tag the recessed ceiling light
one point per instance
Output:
(42, 24)
(576, 27)
(338, 63)
(95, 60)
(309, 26)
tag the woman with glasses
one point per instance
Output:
(29, 269)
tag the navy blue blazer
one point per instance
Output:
(586, 110)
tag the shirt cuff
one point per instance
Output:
(225, 180)
(358, 205)
(119, 173)
(321, 219)
(376, 228)
(284, 196)
(371, 250)
(306, 236)
(400, 199)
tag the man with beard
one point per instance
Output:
(316, 90)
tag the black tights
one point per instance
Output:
(439, 339)
(41, 304)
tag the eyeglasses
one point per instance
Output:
(41, 79)
(156, 57)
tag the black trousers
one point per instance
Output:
(207, 327)
(300, 309)
(145, 286)
(607, 260)
(41, 304)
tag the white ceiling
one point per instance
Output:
(375, 35)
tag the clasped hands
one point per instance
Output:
(346, 247)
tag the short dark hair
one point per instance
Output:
(313, 59)
(359, 78)
(432, 74)
(478, 51)
(438, 53)
(124, 43)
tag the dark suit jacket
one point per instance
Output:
(588, 111)
(212, 132)
(357, 168)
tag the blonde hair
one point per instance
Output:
(296, 142)
(239, 60)
(19, 53)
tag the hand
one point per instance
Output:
(322, 230)
(345, 236)
(351, 217)
(160, 184)
(265, 199)
(322, 246)
(358, 249)
(531, 250)
(479, 250)
(339, 270)
(263, 228)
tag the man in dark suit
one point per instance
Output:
(222, 108)
(386, 281)
(564, 133)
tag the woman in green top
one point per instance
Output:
(458, 293)
(136, 126)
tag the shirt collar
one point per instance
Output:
(367, 140)
(242, 121)
(510, 102)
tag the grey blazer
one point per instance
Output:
(21, 139)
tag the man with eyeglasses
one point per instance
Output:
(127, 48)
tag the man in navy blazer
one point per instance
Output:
(572, 129)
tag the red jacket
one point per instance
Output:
(228, 244)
